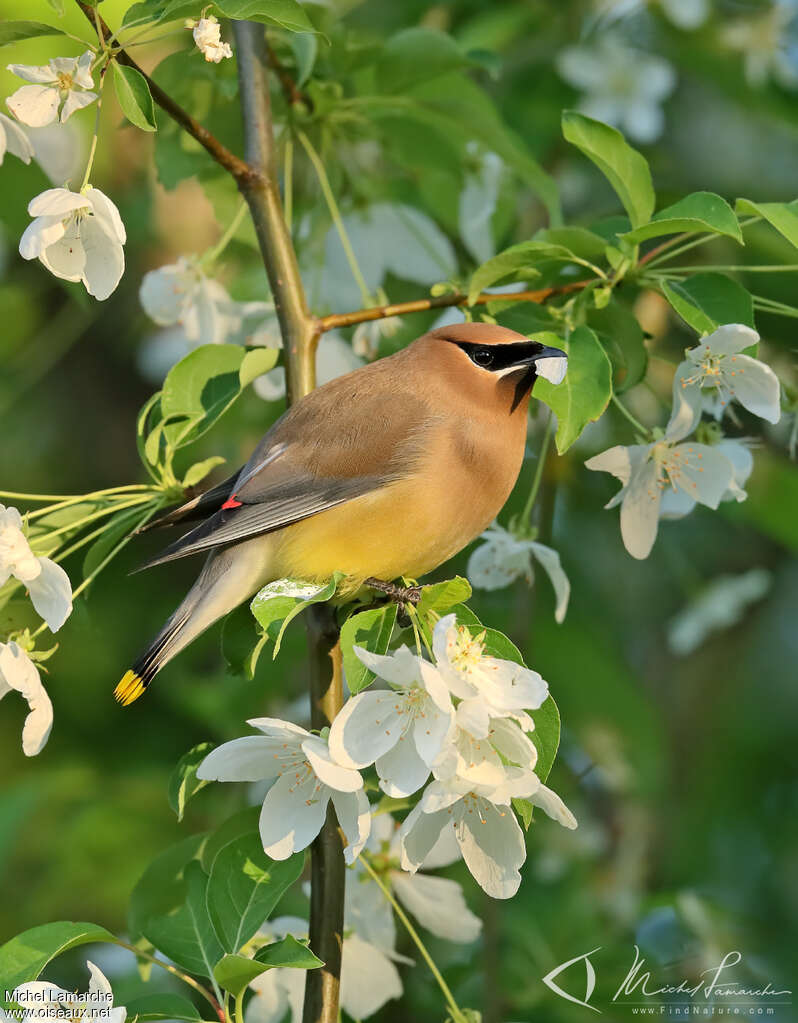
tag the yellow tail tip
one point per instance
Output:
(129, 689)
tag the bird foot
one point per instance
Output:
(397, 594)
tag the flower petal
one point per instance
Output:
(57, 202)
(105, 259)
(418, 835)
(81, 74)
(250, 758)
(430, 730)
(401, 770)
(34, 105)
(38, 236)
(730, 339)
(66, 258)
(400, 668)
(548, 800)
(51, 594)
(640, 511)
(368, 978)
(438, 904)
(513, 743)
(367, 727)
(687, 403)
(16, 141)
(755, 386)
(18, 672)
(704, 473)
(550, 560)
(76, 101)
(473, 716)
(342, 779)
(493, 848)
(292, 815)
(38, 73)
(354, 815)
(107, 215)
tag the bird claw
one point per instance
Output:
(396, 594)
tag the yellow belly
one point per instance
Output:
(388, 534)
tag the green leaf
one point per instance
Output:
(288, 14)
(187, 935)
(164, 1005)
(288, 953)
(699, 212)
(546, 736)
(244, 887)
(134, 96)
(242, 642)
(161, 888)
(282, 600)
(442, 597)
(233, 973)
(585, 392)
(203, 386)
(517, 261)
(16, 31)
(705, 301)
(245, 822)
(24, 957)
(415, 55)
(199, 470)
(625, 169)
(372, 630)
(781, 215)
(583, 243)
(623, 339)
(184, 782)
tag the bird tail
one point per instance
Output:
(229, 576)
(136, 680)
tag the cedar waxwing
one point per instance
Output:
(387, 471)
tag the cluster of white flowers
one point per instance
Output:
(668, 477)
(51, 595)
(504, 557)
(463, 719)
(77, 236)
(369, 977)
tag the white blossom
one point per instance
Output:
(766, 44)
(18, 672)
(437, 903)
(700, 471)
(368, 978)
(401, 731)
(719, 606)
(717, 364)
(46, 582)
(58, 90)
(14, 140)
(624, 87)
(181, 293)
(503, 558)
(485, 827)
(207, 36)
(78, 236)
(685, 14)
(677, 503)
(42, 1001)
(306, 777)
(487, 687)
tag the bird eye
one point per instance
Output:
(482, 357)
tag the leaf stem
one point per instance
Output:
(454, 1008)
(335, 213)
(644, 430)
(67, 501)
(538, 478)
(213, 254)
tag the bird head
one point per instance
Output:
(494, 359)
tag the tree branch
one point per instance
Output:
(260, 189)
(220, 153)
(381, 312)
(300, 335)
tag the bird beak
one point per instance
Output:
(551, 364)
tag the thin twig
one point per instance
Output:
(220, 153)
(381, 312)
(291, 90)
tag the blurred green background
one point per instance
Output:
(680, 769)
